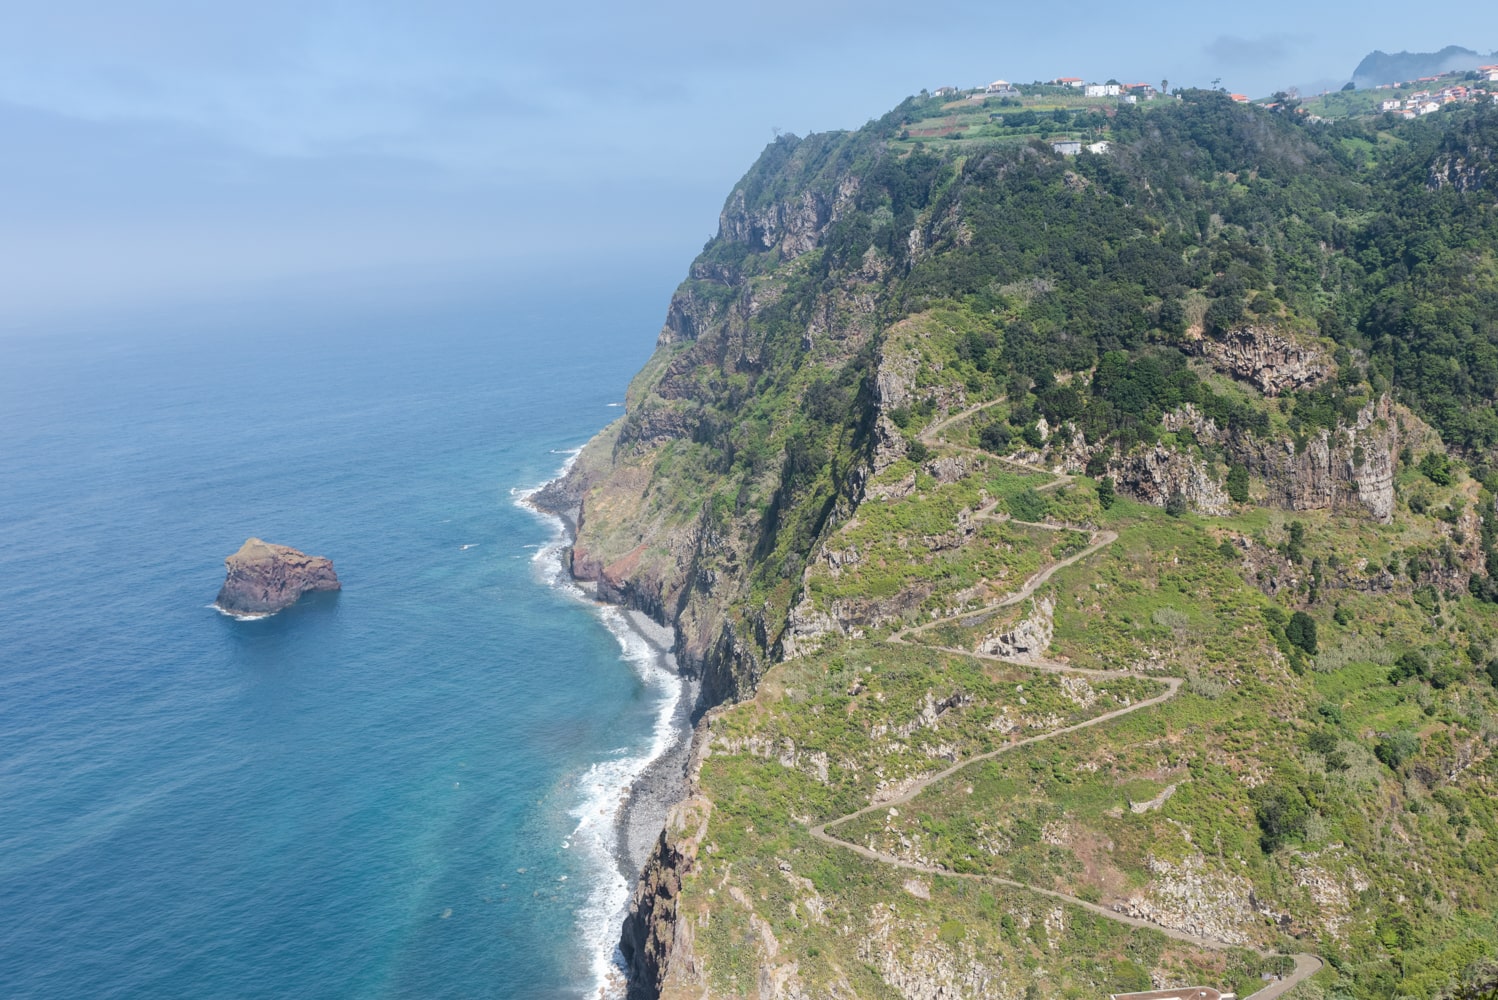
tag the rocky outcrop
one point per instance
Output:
(263, 578)
(1155, 475)
(1271, 361)
(1028, 641)
(1352, 466)
(792, 225)
(1193, 896)
(651, 943)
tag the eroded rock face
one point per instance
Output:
(1349, 467)
(1027, 641)
(1153, 476)
(653, 942)
(1269, 360)
(263, 578)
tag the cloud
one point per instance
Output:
(1236, 50)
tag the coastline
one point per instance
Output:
(651, 782)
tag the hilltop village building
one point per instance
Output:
(1429, 100)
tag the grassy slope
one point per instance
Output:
(1167, 600)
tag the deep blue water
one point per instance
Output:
(335, 801)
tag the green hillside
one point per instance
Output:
(1089, 559)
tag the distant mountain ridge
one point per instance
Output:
(1380, 67)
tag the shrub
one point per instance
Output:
(995, 437)
(1228, 550)
(1027, 505)
(1128, 977)
(1282, 813)
(917, 452)
(1175, 505)
(951, 931)
(1031, 434)
(1322, 742)
(1396, 748)
(1437, 468)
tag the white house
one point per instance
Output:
(945, 92)
(1098, 147)
(1103, 90)
(1390, 106)
(1429, 108)
(1002, 88)
(1067, 147)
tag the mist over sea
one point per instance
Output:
(402, 790)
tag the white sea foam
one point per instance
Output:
(236, 616)
(605, 785)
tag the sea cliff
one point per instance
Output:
(949, 449)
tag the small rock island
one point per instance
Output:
(263, 578)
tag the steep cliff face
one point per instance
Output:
(1155, 475)
(1272, 361)
(678, 506)
(650, 943)
(876, 321)
(1350, 467)
(262, 578)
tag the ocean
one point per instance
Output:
(402, 790)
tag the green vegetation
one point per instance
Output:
(842, 473)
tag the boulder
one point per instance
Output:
(263, 578)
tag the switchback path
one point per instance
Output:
(1306, 964)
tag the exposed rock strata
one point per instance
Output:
(1352, 466)
(1271, 361)
(1155, 475)
(1028, 640)
(652, 940)
(263, 578)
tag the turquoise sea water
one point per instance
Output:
(337, 801)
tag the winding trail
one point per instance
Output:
(1306, 965)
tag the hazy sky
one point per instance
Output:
(168, 149)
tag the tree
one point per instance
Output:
(1282, 813)
(1175, 504)
(1301, 631)
(995, 437)
(1106, 493)
(1295, 546)
(1410, 664)
(1237, 484)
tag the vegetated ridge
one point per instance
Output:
(1088, 559)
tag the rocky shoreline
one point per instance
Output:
(664, 783)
